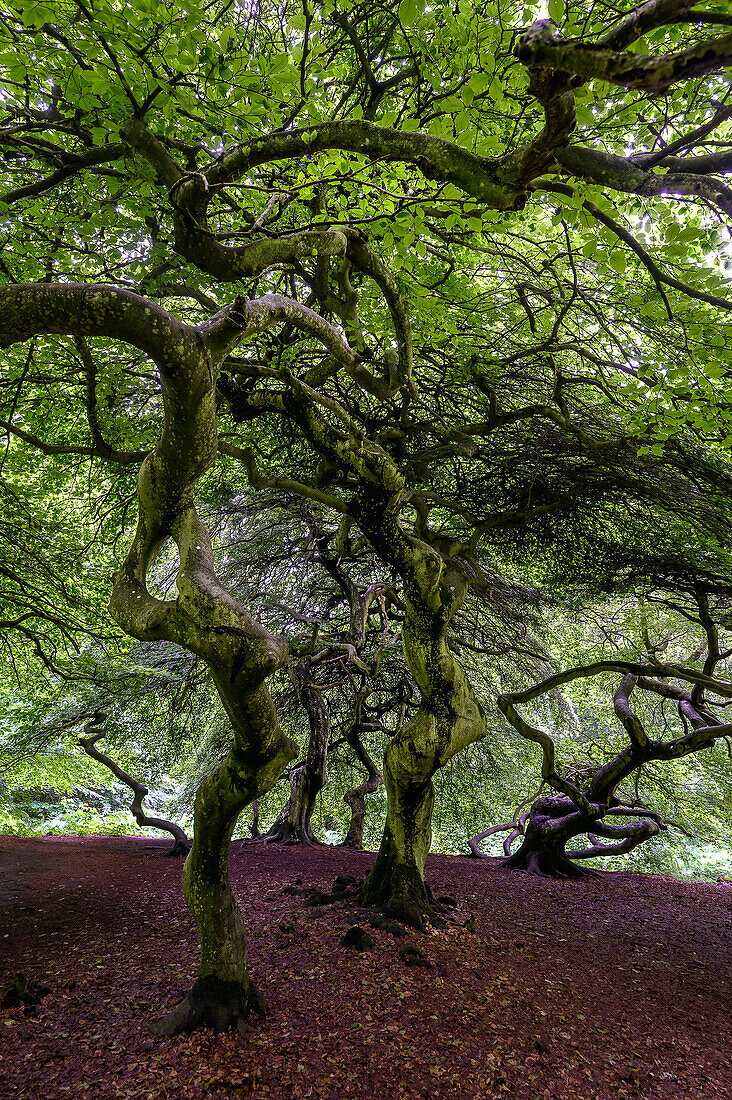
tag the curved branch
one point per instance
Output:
(435, 158)
(94, 731)
(73, 165)
(475, 842)
(659, 277)
(367, 261)
(624, 175)
(628, 719)
(92, 309)
(679, 672)
(634, 834)
(244, 317)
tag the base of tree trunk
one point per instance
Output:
(212, 1003)
(180, 849)
(286, 833)
(401, 894)
(546, 863)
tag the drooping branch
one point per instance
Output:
(103, 448)
(475, 842)
(94, 730)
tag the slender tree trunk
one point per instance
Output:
(223, 993)
(293, 823)
(356, 798)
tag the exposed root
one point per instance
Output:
(212, 1003)
(180, 849)
(402, 895)
(546, 864)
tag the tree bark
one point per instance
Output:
(396, 881)
(306, 781)
(553, 822)
(356, 799)
(449, 718)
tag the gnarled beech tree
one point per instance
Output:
(204, 618)
(583, 806)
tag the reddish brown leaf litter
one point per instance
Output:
(613, 987)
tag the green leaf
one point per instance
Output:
(408, 12)
(617, 261)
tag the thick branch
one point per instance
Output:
(540, 48)
(624, 175)
(91, 309)
(435, 158)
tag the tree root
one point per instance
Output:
(402, 895)
(212, 1003)
(547, 864)
(180, 849)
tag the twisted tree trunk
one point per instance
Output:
(449, 718)
(552, 823)
(306, 781)
(181, 845)
(241, 654)
(356, 799)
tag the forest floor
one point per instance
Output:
(617, 986)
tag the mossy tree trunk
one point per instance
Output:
(450, 716)
(448, 719)
(204, 617)
(241, 654)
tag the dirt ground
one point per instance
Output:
(613, 987)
